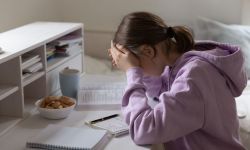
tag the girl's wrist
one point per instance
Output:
(134, 75)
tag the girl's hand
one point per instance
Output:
(123, 58)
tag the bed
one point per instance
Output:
(100, 66)
(239, 35)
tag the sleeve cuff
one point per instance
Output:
(134, 75)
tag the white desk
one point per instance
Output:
(16, 138)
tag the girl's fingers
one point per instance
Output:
(112, 44)
(113, 63)
(122, 49)
(119, 46)
(109, 52)
(115, 52)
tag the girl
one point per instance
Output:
(195, 84)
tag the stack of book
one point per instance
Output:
(50, 52)
(64, 46)
(31, 63)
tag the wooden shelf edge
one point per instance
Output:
(7, 90)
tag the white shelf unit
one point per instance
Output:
(40, 52)
(11, 94)
(6, 90)
(32, 78)
(18, 94)
(55, 62)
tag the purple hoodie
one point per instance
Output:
(196, 109)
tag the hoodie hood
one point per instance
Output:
(228, 59)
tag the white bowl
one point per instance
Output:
(54, 113)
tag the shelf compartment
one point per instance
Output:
(6, 123)
(52, 80)
(32, 78)
(6, 90)
(57, 61)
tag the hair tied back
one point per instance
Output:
(169, 31)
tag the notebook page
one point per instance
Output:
(114, 125)
(69, 137)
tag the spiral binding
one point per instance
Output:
(53, 147)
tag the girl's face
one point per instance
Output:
(153, 61)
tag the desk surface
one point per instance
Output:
(16, 138)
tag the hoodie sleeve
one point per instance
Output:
(154, 84)
(180, 111)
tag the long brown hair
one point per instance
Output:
(140, 28)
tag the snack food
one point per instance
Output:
(56, 102)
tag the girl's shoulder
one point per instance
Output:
(195, 67)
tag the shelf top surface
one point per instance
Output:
(19, 40)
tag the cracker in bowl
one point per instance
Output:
(55, 107)
(56, 102)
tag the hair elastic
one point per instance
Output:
(169, 31)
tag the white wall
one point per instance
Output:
(14, 13)
(246, 12)
(106, 14)
(101, 17)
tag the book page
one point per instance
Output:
(101, 96)
(98, 90)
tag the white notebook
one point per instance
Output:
(55, 137)
(116, 126)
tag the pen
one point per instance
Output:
(104, 118)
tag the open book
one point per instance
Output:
(100, 92)
(56, 137)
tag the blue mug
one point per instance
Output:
(69, 82)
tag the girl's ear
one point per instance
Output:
(147, 51)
